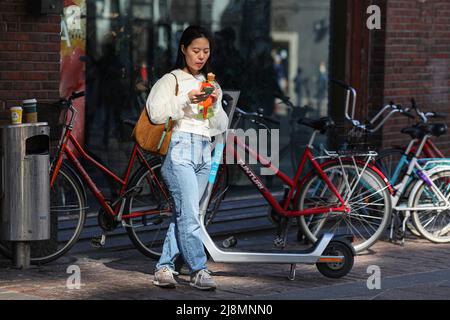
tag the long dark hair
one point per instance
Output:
(190, 34)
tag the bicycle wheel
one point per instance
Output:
(367, 196)
(148, 232)
(67, 216)
(432, 224)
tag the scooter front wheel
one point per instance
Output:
(336, 269)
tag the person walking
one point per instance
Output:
(187, 165)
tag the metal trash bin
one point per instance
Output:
(25, 187)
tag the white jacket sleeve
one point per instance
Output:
(219, 122)
(162, 102)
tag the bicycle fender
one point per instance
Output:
(382, 176)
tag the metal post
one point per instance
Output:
(21, 254)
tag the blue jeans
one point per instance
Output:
(185, 171)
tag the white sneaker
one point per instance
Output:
(202, 280)
(164, 278)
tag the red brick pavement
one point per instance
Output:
(126, 274)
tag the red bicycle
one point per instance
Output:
(141, 207)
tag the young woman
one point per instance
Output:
(187, 165)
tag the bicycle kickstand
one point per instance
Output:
(292, 272)
(391, 231)
(405, 219)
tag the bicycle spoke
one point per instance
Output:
(365, 207)
(351, 226)
(369, 223)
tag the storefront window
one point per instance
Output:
(266, 49)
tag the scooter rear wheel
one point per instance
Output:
(336, 269)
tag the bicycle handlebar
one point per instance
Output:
(351, 93)
(68, 102)
(76, 95)
(257, 115)
(424, 116)
(405, 112)
(350, 111)
(341, 83)
(394, 109)
(433, 114)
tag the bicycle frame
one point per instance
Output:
(433, 157)
(292, 183)
(431, 150)
(115, 212)
(420, 172)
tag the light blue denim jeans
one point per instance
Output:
(185, 171)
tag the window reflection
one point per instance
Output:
(267, 49)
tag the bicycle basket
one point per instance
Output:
(352, 138)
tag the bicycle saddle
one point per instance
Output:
(418, 132)
(438, 129)
(322, 124)
(414, 132)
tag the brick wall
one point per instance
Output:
(29, 55)
(416, 61)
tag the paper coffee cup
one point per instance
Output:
(29, 106)
(31, 117)
(29, 110)
(16, 115)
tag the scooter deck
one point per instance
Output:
(311, 255)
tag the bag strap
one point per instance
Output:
(166, 126)
(176, 85)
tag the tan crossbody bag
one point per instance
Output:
(154, 138)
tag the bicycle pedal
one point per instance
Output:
(98, 242)
(279, 242)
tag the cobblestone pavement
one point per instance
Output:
(418, 270)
